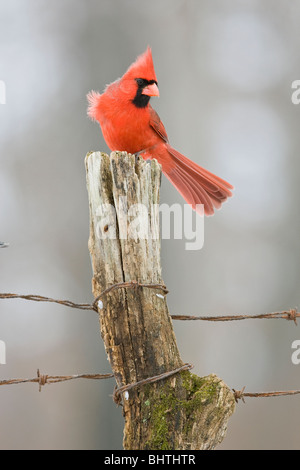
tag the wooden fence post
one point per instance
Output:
(184, 411)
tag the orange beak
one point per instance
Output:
(151, 90)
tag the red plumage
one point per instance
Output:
(129, 123)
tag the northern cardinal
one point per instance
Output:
(129, 123)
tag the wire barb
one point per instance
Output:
(239, 395)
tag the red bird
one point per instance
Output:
(129, 123)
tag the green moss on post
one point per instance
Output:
(199, 405)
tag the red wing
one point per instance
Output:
(157, 125)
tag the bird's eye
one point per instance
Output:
(140, 82)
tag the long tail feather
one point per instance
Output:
(195, 184)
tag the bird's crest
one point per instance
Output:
(142, 68)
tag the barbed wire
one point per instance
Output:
(51, 379)
(291, 314)
(43, 380)
(241, 394)
(40, 298)
(156, 378)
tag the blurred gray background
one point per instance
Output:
(225, 70)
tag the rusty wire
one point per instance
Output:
(241, 394)
(40, 298)
(291, 314)
(148, 380)
(51, 379)
(42, 380)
